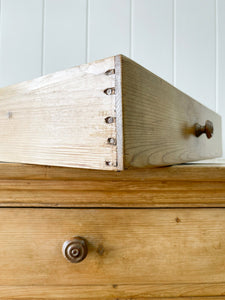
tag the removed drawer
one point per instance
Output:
(125, 246)
(111, 114)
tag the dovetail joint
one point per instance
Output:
(111, 164)
(110, 120)
(110, 72)
(111, 141)
(110, 91)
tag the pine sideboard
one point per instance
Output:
(147, 233)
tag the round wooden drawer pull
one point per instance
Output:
(207, 129)
(75, 250)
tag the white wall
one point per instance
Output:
(183, 41)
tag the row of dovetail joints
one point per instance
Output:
(110, 119)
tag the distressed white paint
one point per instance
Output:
(21, 40)
(183, 41)
(64, 41)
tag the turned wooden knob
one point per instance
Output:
(75, 250)
(207, 129)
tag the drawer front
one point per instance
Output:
(125, 246)
(161, 124)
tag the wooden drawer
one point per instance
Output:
(131, 252)
(111, 115)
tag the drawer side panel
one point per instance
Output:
(59, 119)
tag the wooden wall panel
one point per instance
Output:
(21, 40)
(109, 28)
(152, 36)
(195, 49)
(64, 34)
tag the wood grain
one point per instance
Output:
(184, 172)
(119, 113)
(59, 119)
(159, 121)
(143, 247)
(176, 186)
(118, 292)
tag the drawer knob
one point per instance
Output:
(75, 250)
(207, 129)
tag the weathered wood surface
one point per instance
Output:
(159, 121)
(126, 246)
(59, 119)
(176, 186)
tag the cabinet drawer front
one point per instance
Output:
(125, 246)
